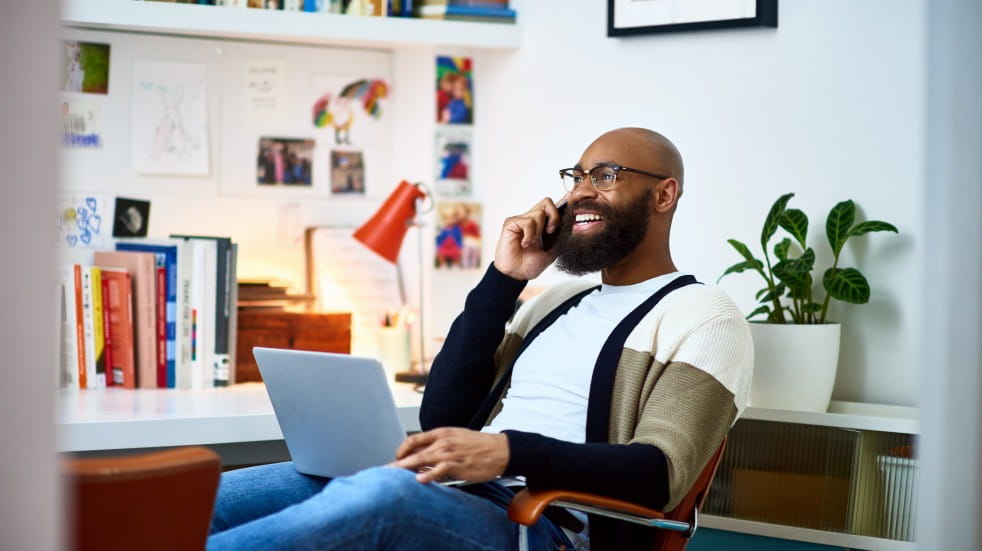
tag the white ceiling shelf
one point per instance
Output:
(285, 26)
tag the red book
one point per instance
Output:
(107, 337)
(79, 327)
(118, 305)
(142, 269)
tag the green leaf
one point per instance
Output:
(758, 311)
(796, 273)
(872, 226)
(743, 250)
(846, 284)
(773, 219)
(838, 223)
(742, 266)
(761, 293)
(781, 249)
(795, 222)
(779, 290)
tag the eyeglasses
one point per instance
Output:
(603, 177)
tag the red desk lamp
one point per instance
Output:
(384, 233)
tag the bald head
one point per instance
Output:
(648, 149)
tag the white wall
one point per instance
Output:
(829, 105)
(29, 512)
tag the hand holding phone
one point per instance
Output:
(547, 240)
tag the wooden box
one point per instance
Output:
(321, 332)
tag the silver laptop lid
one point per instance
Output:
(336, 411)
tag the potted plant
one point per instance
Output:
(795, 365)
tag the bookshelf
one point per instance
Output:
(819, 477)
(256, 25)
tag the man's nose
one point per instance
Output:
(583, 190)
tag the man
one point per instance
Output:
(625, 389)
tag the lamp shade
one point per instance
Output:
(384, 232)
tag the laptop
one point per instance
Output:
(336, 411)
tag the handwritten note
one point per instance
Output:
(264, 87)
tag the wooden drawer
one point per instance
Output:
(321, 332)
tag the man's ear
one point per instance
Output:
(667, 195)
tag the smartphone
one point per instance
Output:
(547, 240)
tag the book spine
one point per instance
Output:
(98, 328)
(91, 380)
(69, 342)
(80, 328)
(223, 304)
(161, 287)
(113, 376)
(225, 363)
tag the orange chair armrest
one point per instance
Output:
(527, 506)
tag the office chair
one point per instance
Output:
(674, 528)
(154, 501)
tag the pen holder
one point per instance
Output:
(393, 346)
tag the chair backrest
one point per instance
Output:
(688, 508)
(155, 501)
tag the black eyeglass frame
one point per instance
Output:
(615, 167)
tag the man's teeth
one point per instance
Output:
(582, 218)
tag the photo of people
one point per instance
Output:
(453, 150)
(284, 161)
(347, 172)
(454, 90)
(458, 238)
(86, 67)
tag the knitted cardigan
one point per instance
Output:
(681, 381)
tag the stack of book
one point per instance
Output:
(154, 313)
(484, 11)
(265, 294)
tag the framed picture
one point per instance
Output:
(633, 17)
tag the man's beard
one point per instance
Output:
(623, 230)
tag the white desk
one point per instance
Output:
(237, 421)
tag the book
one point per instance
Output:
(107, 346)
(223, 303)
(95, 374)
(468, 13)
(141, 267)
(224, 375)
(73, 332)
(117, 302)
(177, 314)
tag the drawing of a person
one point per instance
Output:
(75, 73)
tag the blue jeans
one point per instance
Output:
(274, 507)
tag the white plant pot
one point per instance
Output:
(794, 365)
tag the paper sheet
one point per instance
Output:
(170, 118)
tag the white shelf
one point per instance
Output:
(285, 26)
(834, 539)
(113, 419)
(847, 415)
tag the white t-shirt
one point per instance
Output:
(550, 383)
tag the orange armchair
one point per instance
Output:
(674, 528)
(155, 501)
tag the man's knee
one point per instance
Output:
(381, 489)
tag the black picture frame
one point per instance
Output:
(766, 16)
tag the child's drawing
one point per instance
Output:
(351, 107)
(170, 123)
(80, 221)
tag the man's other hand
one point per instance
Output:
(518, 254)
(454, 453)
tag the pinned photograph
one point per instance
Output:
(453, 163)
(85, 67)
(347, 172)
(131, 217)
(284, 162)
(454, 90)
(458, 238)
